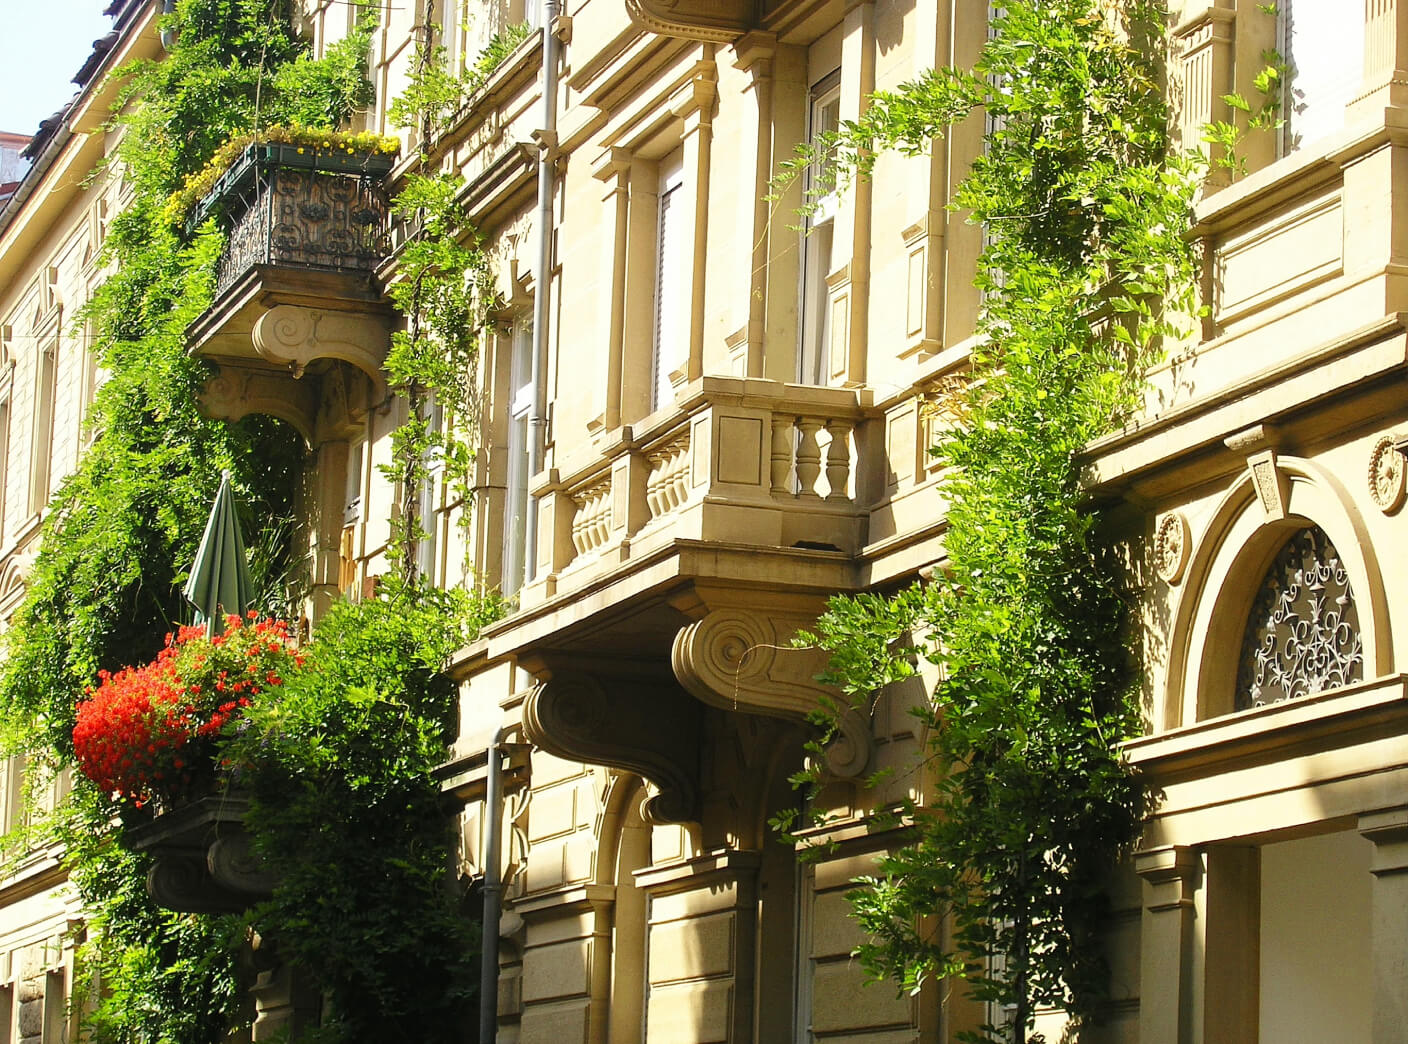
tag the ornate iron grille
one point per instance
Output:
(1302, 636)
(306, 218)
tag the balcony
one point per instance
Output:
(738, 462)
(676, 560)
(295, 286)
(304, 208)
(298, 327)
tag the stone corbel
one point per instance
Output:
(342, 406)
(295, 337)
(741, 659)
(237, 391)
(717, 21)
(695, 100)
(645, 727)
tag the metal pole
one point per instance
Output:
(493, 893)
(547, 145)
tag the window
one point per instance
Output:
(42, 441)
(1322, 43)
(670, 344)
(351, 515)
(520, 409)
(55, 1007)
(824, 117)
(434, 415)
(1302, 635)
(352, 496)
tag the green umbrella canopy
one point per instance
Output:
(219, 583)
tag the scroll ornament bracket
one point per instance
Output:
(295, 337)
(740, 660)
(637, 728)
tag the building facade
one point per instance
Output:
(700, 421)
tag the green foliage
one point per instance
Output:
(148, 974)
(347, 811)
(444, 290)
(435, 98)
(123, 528)
(1087, 275)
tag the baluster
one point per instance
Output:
(838, 459)
(682, 472)
(579, 524)
(601, 528)
(808, 456)
(781, 453)
(652, 488)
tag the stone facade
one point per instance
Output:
(736, 418)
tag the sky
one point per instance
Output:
(42, 44)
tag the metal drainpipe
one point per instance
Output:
(493, 893)
(168, 35)
(542, 277)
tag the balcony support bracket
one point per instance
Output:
(296, 336)
(740, 657)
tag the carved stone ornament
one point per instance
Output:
(741, 660)
(1388, 478)
(717, 21)
(294, 336)
(1171, 542)
(203, 860)
(648, 727)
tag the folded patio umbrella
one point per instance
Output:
(219, 583)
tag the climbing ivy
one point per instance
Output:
(122, 529)
(1087, 276)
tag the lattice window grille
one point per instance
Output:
(1302, 635)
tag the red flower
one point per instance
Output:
(141, 727)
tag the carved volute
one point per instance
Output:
(643, 724)
(295, 336)
(741, 659)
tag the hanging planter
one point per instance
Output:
(152, 734)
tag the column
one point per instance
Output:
(848, 284)
(696, 108)
(754, 56)
(615, 171)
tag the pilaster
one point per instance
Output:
(1385, 57)
(1388, 831)
(702, 947)
(1169, 876)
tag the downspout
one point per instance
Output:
(168, 33)
(547, 147)
(493, 893)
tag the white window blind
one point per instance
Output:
(516, 495)
(670, 281)
(1322, 41)
(817, 242)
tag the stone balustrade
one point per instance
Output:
(741, 461)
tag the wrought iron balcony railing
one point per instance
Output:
(302, 207)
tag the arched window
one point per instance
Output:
(1302, 635)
